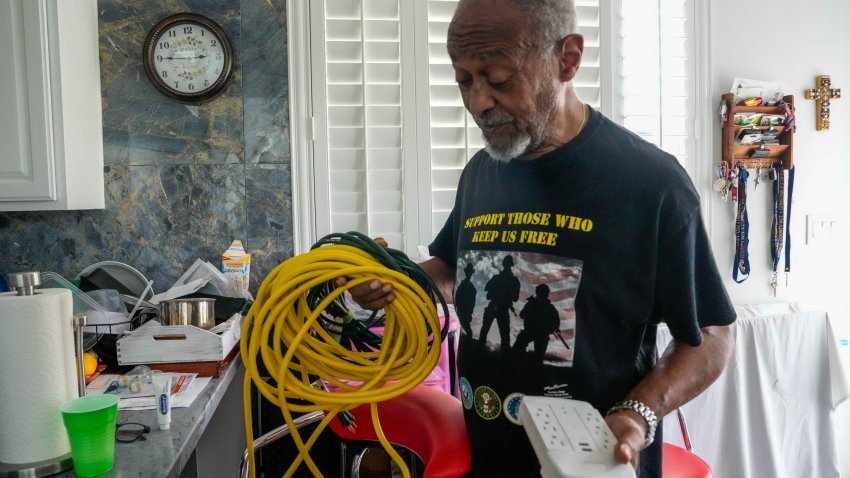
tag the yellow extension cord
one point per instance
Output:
(282, 331)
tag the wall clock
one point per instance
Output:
(188, 57)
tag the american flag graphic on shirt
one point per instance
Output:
(489, 279)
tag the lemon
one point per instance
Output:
(89, 363)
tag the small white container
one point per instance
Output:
(162, 394)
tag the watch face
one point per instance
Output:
(188, 57)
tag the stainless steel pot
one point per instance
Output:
(199, 312)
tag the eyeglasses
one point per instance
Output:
(130, 432)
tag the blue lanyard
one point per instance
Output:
(777, 226)
(781, 220)
(788, 224)
(742, 231)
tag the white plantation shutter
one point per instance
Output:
(448, 136)
(658, 80)
(588, 82)
(390, 134)
(359, 117)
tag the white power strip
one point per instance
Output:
(571, 439)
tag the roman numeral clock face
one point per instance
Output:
(188, 57)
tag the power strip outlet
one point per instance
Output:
(571, 439)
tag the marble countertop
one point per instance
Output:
(165, 453)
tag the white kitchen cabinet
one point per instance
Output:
(51, 136)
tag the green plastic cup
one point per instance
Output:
(90, 423)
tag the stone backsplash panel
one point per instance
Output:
(182, 181)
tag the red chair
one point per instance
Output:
(425, 420)
(678, 462)
(438, 439)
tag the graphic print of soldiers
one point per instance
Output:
(465, 300)
(502, 291)
(540, 318)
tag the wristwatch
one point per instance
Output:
(644, 411)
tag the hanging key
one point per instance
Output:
(771, 174)
(758, 177)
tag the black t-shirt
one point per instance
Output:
(611, 226)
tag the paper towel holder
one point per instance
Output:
(37, 470)
(79, 325)
(25, 283)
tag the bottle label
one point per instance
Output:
(163, 404)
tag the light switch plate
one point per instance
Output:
(822, 227)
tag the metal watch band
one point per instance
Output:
(644, 411)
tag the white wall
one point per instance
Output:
(791, 42)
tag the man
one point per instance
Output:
(611, 223)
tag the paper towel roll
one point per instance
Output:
(37, 373)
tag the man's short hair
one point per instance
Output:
(554, 19)
(551, 20)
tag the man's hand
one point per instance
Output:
(373, 295)
(630, 430)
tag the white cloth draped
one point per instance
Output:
(772, 412)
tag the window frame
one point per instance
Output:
(301, 126)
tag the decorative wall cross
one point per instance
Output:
(822, 93)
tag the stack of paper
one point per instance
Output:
(185, 388)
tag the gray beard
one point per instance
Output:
(518, 147)
(523, 142)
